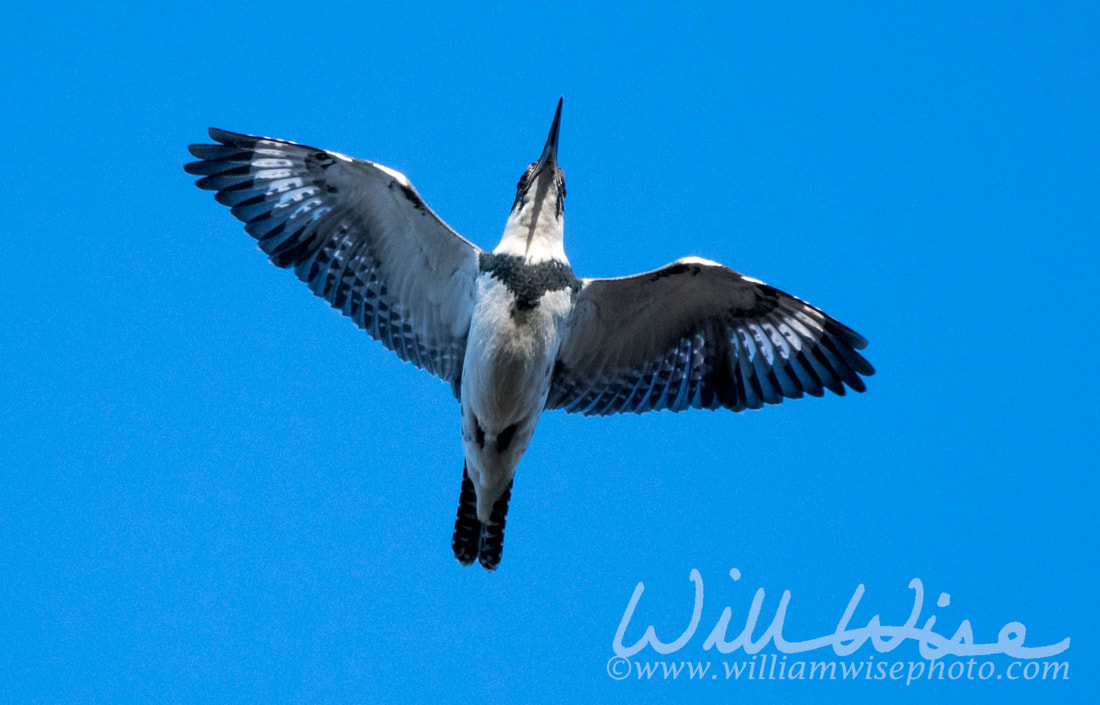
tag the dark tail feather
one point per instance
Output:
(491, 542)
(467, 527)
(474, 540)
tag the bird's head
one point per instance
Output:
(536, 223)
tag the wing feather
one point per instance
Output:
(695, 334)
(358, 234)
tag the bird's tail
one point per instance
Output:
(472, 539)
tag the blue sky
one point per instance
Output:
(215, 489)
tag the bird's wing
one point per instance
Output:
(695, 334)
(358, 234)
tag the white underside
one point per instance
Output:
(505, 380)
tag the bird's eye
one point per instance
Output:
(526, 177)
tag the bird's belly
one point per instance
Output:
(510, 355)
(505, 380)
(506, 374)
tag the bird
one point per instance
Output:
(513, 330)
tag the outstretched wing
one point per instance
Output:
(695, 334)
(358, 234)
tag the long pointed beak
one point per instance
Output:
(550, 151)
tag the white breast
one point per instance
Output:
(505, 380)
(510, 354)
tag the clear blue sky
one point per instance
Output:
(216, 489)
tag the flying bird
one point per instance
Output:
(514, 331)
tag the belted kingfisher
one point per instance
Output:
(514, 331)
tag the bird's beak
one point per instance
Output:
(549, 156)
